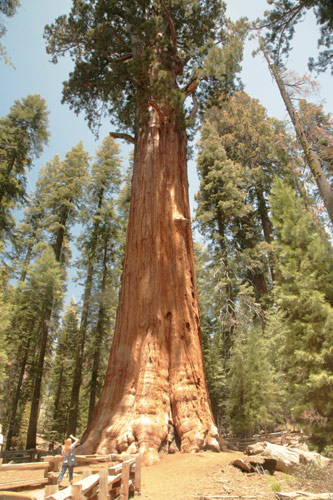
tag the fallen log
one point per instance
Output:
(255, 464)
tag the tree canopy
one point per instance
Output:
(130, 54)
(282, 20)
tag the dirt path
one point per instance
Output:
(190, 477)
(193, 476)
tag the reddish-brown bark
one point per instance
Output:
(155, 393)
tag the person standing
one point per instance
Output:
(69, 461)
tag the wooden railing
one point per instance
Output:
(116, 482)
(21, 456)
(243, 443)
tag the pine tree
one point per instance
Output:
(280, 23)
(44, 280)
(254, 402)
(23, 134)
(62, 184)
(61, 376)
(304, 300)
(311, 157)
(104, 185)
(7, 8)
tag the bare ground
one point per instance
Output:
(190, 477)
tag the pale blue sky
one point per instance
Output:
(35, 74)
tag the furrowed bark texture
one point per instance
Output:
(155, 393)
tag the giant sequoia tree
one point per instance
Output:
(138, 61)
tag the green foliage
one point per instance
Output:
(129, 55)
(23, 134)
(304, 299)
(62, 374)
(7, 8)
(6, 297)
(60, 186)
(254, 401)
(282, 21)
(318, 127)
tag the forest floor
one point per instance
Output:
(197, 477)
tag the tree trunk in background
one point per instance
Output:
(155, 387)
(310, 155)
(266, 227)
(99, 334)
(34, 409)
(17, 394)
(77, 376)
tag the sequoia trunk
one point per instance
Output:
(155, 393)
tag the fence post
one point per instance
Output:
(76, 491)
(137, 477)
(124, 481)
(49, 489)
(103, 490)
(57, 462)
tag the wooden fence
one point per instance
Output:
(117, 482)
(242, 443)
(21, 456)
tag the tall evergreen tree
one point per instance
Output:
(304, 300)
(23, 134)
(104, 184)
(44, 283)
(62, 184)
(7, 8)
(139, 62)
(254, 401)
(310, 155)
(281, 21)
(61, 377)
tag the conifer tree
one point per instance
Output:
(6, 298)
(254, 402)
(139, 62)
(7, 8)
(311, 157)
(304, 300)
(104, 185)
(44, 281)
(62, 184)
(281, 21)
(23, 134)
(61, 377)
(318, 127)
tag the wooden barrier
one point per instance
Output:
(243, 443)
(12, 485)
(22, 456)
(114, 483)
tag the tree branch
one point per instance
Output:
(171, 26)
(195, 107)
(123, 58)
(178, 61)
(120, 135)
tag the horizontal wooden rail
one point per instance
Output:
(112, 484)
